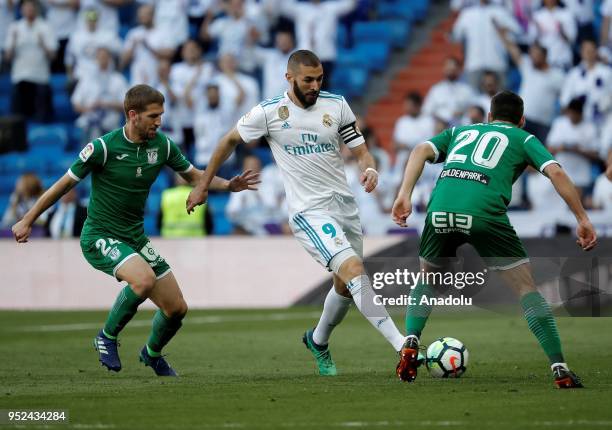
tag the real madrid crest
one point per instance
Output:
(327, 121)
(283, 112)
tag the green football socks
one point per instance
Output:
(164, 328)
(542, 324)
(416, 313)
(123, 310)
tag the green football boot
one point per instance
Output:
(321, 354)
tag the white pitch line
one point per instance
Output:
(212, 319)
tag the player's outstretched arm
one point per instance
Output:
(248, 180)
(402, 207)
(587, 239)
(226, 146)
(369, 175)
(23, 228)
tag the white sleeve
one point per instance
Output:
(555, 136)
(253, 124)
(348, 130)
(216, 27)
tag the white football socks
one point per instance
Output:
(334, 309)
(376, 314)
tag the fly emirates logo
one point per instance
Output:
(310, 146)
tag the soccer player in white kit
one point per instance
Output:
(304, 128)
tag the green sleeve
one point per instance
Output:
(440, 144)
(536, 153)
(176, 159)
(92, 157)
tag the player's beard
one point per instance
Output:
(306, 101)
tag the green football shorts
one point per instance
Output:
(494, 239)
(108, 254)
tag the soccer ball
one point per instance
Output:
(446, 358)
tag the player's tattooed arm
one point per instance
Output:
(587, 238)
(23, 228)
(226, 146)
(248, 180)
(369, 175)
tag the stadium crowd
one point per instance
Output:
(214, 59)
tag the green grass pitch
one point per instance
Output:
(249, 370)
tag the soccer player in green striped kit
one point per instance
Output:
(468, 205)
(124, 164)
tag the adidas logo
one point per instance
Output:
(285, 125)
(102, 347)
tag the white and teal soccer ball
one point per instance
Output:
(446, 358)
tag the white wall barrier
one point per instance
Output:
(215, 272)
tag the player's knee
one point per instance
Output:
(181, 309)
(144, 283)
(351, 268)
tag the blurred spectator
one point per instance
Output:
(67, 218)
(450, 97)
(197, 10)
(247, 211)
(27, 190)
(172, 21)
(144, 46)
(605, 36)
(584, 14)
(484, 49)
(272, 190)
(239, 89)
(591, 80)
(573, 141)
(273, 62)
(62, 18)
(542, 195)
(316, 24)
(413, 127)
(6, 18)
(554, 28)
(170, 122)
(606, 146)
(109, 12)
(174, 221)
(213, 119)
(540, 86)
(30, 46)
(602, 193)
(83, 44)
(188, 78)
(235, 32)
(98, 98)
(475, 115)
(489, 86)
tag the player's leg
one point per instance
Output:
(435, 252)
(541, 322)
(167, 295)
(335, 307)
(350, 270)
(499, 245)
(119, 260)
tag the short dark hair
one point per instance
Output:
(140, 96)
(507, 106)
(303, 57)
(414, 97)
(576, 104)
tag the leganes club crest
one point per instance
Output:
(152, 155)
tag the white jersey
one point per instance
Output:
(306, 146)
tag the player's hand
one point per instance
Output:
(197, 197)
(247, 181)
(21, 231)
(369, 180)
(402, 208)
(587, 239)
